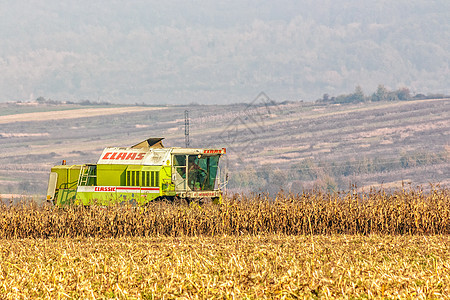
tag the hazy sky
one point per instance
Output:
(220, 52)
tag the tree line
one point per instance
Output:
(381, 94)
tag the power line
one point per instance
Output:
(186, 128)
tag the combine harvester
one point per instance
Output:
(139, 174)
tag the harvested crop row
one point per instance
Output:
(401, 212)
(227, 267)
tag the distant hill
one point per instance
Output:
(219, 53)
(271, 146)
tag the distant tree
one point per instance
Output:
(435, 96)
(420, 96)
(53, 102)
(358, 95)
(403, 94)
(246, 179)
(41, 100)
(278, 178)
(306, 169)
(85, 102)
(342, 99)
(381, 94)
(392, 96)
(326, 183)
(407, 160)
(331, 184)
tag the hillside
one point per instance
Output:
(207, 52)
(290, 145)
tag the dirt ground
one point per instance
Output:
(72, 114)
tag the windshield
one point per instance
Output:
(201, 171)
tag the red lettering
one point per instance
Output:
(140, 156)
(121, 155)
(131, 156)
(211, 151)
(124, 155)
(105, 189)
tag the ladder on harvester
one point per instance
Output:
(87, 172)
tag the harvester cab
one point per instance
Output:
(194, 172)
(140, 173)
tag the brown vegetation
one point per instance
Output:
(227, 267)
(377, 212)
(314, 245)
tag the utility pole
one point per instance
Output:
(186, 128)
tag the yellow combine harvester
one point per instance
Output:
(139, 174)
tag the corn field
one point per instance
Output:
(227, 267)
(309, 246)
(410, 211)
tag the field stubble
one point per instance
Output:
(227, 267)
